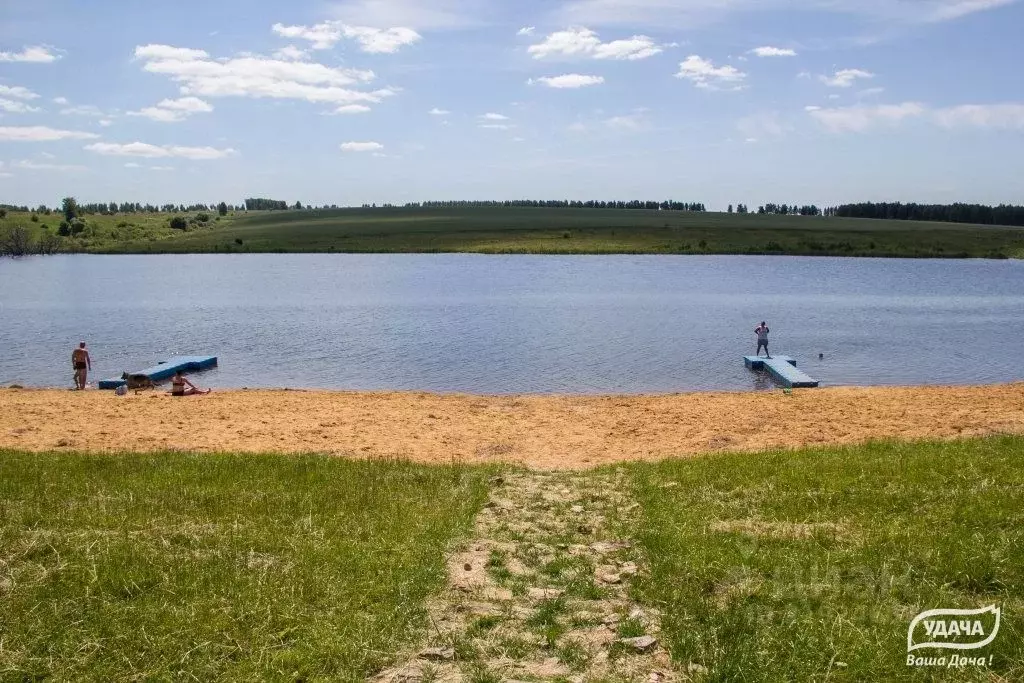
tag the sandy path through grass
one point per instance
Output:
(541, 592)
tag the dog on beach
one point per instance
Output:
(137, 382)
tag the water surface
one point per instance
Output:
(511, 324)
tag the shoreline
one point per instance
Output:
(537, 431)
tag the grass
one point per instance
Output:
(105, 234)
(809, 565)
(226, 567)
(544, 231)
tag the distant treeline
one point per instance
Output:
(112, 208)
(1004, 214)
(668, 205)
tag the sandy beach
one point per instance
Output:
(547, 432)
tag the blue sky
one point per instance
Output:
(718, 101)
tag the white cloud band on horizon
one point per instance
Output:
(148, 151)
(42, 134)
(859, 118)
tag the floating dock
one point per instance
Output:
(783, 370)
(165, 370)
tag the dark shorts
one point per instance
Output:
(79, 366)
(763, 343)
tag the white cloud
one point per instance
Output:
(39, 54)
(497, 126)
(568, 81)
(526, 31)
(663, 14)
(17, 92)
(954, 9)
(581, 41)
(632, 122)
(768, 51)
(41, 134)
(860, 118)
(83, 110)
(105, 122)
(361, 147)
(132, 164)
(492, 116)
(167, 52)
(998, 116)
(438, 112)
(172, 111)
(844, 78)
(812, 107)
(750, 140)
(30, 165)
(870, 92)
(352, 109)
(60, 100)
(161, 168)
(704, 74)
(291, 53)
(146, 150)
(326, 35)
(16, 107)
(260, 77)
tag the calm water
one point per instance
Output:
(496, 324)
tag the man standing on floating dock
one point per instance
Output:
(82, 363)
(762, 339)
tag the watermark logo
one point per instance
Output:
(952, 629)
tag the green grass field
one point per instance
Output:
(798, 566)
(540, 231)
(218, 567)
(586, 231)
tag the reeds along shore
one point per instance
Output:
(545, 432)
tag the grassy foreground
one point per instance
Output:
(809, 565)
(794, 565)
(218, 567)
(542, 231)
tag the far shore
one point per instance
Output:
(544, 432)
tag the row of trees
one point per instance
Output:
(1004, 214)
(789, 210)
(112, 208)
(668, 205)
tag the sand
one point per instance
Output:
(544, 432)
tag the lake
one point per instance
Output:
(512, 324)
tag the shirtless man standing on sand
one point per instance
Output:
(82, 363)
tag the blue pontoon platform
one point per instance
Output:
(783, 370)
(165, 370)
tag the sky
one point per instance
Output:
(374, 101)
